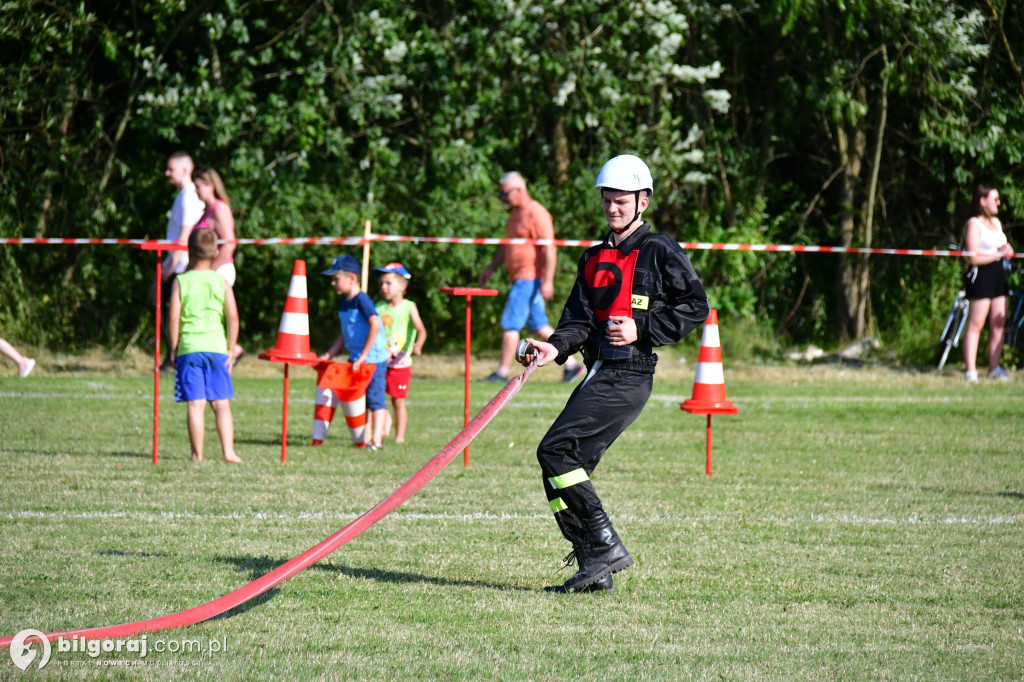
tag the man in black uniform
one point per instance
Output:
(634, 291)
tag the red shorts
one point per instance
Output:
(398, 381)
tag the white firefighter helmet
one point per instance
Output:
(626, 173)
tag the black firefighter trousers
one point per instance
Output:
(596, 413)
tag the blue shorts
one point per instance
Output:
(375, 397)
(524, 306)
(202, 376)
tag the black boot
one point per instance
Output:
(578, 555)
(602, 585)
(605, 555)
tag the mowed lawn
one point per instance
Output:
(860, 524)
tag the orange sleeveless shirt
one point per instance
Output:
(531, 221)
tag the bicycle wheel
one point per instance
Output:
(950, 334)
(944, 353)
(1014, 334)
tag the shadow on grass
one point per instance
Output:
(127, 453)
(1011, 494)
(91, 453)
(246, 606)
(258, 566)
(255, 568)
(293, 441)
(139, 555)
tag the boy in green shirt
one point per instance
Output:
(398, 314)
(201, 301)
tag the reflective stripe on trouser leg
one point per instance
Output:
(568, 479)
(326, 401)
(557, 505)
(575, 499)
(562, 489)
(568, 523)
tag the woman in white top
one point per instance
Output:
(218, 217)
(986, 285)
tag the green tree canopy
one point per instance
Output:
(789, 121)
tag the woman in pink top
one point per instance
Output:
(986, 285)
(218, 218)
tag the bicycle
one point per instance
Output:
(955, 323)
(1013, 336)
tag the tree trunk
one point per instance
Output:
(65, 129)
(561, 150)
(850, 320)
(864, 261)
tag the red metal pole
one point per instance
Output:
(708, 467)
(156, 359)
(465, 412)
(469, 293)
(284, 416)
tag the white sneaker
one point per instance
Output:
(999, 374)
(30, 365)
(971, 375)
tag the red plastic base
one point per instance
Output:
(706, 407)
(296, 358)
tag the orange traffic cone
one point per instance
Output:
(293, 333)
(337, 383)
(709, 383)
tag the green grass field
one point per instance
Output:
(859, 525)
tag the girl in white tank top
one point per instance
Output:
(989, 240)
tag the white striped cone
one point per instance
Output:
(323, 413)
(355, 417)
(709, 381)
(293, 333)
(336, 384)
(327, 402)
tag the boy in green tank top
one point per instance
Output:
(398, 314)
(201, 303)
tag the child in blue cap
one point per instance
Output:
(362, 334)
(405, 335)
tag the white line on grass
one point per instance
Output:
(293, 396)
(806, 401)
(660, 398)
(304, 397)
(841, 519)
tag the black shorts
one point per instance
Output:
(986, 281)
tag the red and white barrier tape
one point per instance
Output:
(48, 240)
(153, 243)
(356, 241)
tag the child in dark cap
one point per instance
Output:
(362, 334)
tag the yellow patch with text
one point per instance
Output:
(640, 302)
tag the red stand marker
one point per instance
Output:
(159, 247)
(469, 293)
(709, 383)
(292, 346)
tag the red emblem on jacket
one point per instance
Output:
(610, 277)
